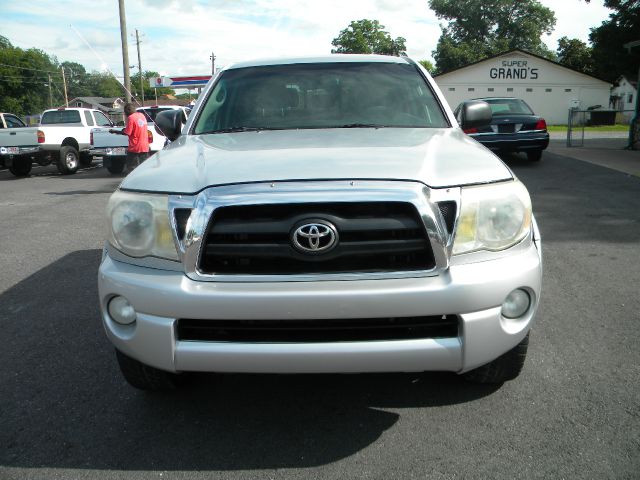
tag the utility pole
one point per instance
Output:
(64, 83)
(213, 63)
(50, 95)
(125, 52)
(140, 67)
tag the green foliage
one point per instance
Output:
(611, 58)
(368, 36)
(428, 66)
(477, 30)
(575, 54)
(29, 77)
(24, 80)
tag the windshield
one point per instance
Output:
(508, 106)
(322, 95)
(151, 113)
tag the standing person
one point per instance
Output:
(136, 130)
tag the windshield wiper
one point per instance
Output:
(237, 129)
(360, 125)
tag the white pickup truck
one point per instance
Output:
(18, 144)
(66, 136)
(113, 148)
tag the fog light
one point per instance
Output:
(121, 311)
(516, 304)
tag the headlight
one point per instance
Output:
(492, 217)
(139, 225)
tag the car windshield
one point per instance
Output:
(320, 95)
(508, 106)
(151, 113)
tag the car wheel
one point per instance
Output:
(21, 167)
(534, 155)
(115, 165)
(506, 367)
(144, 377)
(69, 160)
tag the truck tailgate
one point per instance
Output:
(19, 137)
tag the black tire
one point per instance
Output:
(21, 166)
(506, 367)
(85, 159)
(115, 165)
(69, 160)
(534, 155)
(144, 377)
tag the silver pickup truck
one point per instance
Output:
(19, 145)
(320, 215)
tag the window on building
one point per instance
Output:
(509, 89)
(548, 89)
(452, 89)
(529, 89)
(79, 104)
(490, 89)
(567, 90)
(471, 89)
(630, 98)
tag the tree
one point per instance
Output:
(78, 82)
(428, 66)
(575, 54)
(24, 79)
(477, 30)
(610, 57)
(368, 36)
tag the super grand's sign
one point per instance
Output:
(514, 70)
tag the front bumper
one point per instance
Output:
(473, 291)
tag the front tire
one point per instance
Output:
(69, 160)
(506, 367)
(144, 377)
(21, 166)
(534, 155)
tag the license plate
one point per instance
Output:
(117, 151)
(9, 150)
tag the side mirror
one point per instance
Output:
(474, 113)
(169, 123)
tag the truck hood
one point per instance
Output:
(440, 157)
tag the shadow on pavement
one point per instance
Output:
(601, 207)
(65, 405)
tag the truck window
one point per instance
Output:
(322, 95)
(102, 120)
(13, 121)
(53, 117)
(89, 118)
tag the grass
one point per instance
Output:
(601, 128)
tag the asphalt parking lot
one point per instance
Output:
(66, 413)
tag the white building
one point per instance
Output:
(623, 96)
(548, 87)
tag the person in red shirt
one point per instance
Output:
(136, 130)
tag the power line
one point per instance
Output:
(25, 68)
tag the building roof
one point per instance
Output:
(519, 50)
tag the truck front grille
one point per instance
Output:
(372, 237)
(317, 331)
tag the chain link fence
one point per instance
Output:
(579, 133)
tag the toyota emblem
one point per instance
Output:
(315, 237)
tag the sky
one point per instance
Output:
(178, 36)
